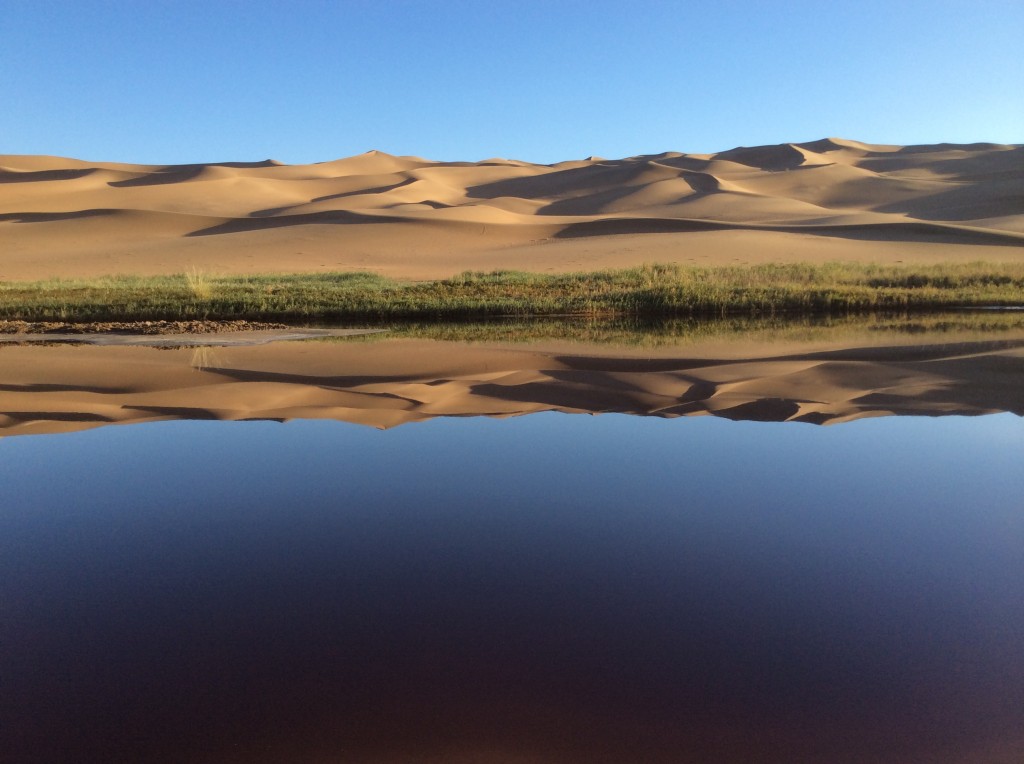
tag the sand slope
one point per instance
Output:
(388, 382)
(405, 216)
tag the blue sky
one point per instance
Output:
(171, 82)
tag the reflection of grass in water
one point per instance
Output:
(687, 331)
(654, 290)
(204, 357)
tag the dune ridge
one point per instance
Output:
(389, 382)
(412, 217)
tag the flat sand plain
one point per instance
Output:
(384, 382)
(408, 217)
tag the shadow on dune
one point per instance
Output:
(364, 191)
(271, 211)
(613, 226)
(323, 381)
(59, 388)
(57, 416)
(680, 185)
(764, 410)
(910, 231)
(44, 175)
(50, 217)
(185, 172)
(979, 163)
(586, 205)
(983, 166)
(327, 217)
(769, 158)
(179, 412)
(953, 207)
(964, 202)
(432, 203)
(940, 147)
(162, 177)
(576, 181)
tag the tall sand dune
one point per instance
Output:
(830, 199)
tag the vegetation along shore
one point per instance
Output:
(647, 291)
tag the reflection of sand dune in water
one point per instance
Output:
(405, 216)
(391, 382)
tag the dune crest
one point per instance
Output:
(830, 199)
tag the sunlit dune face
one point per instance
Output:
(410, 217)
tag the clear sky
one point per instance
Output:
(165, 82)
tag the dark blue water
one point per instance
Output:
(550, 588)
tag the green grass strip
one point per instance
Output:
(647, 291)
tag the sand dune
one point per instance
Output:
(388, 382)
(830, 199)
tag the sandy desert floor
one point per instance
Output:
(413, 218)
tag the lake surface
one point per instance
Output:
(542, 588)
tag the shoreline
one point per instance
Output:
(168, 333)
(639, 332)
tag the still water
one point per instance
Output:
(544, 588)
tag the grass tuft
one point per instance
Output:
(198, 284)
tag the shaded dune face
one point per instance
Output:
(393, 382)
(411, 216)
